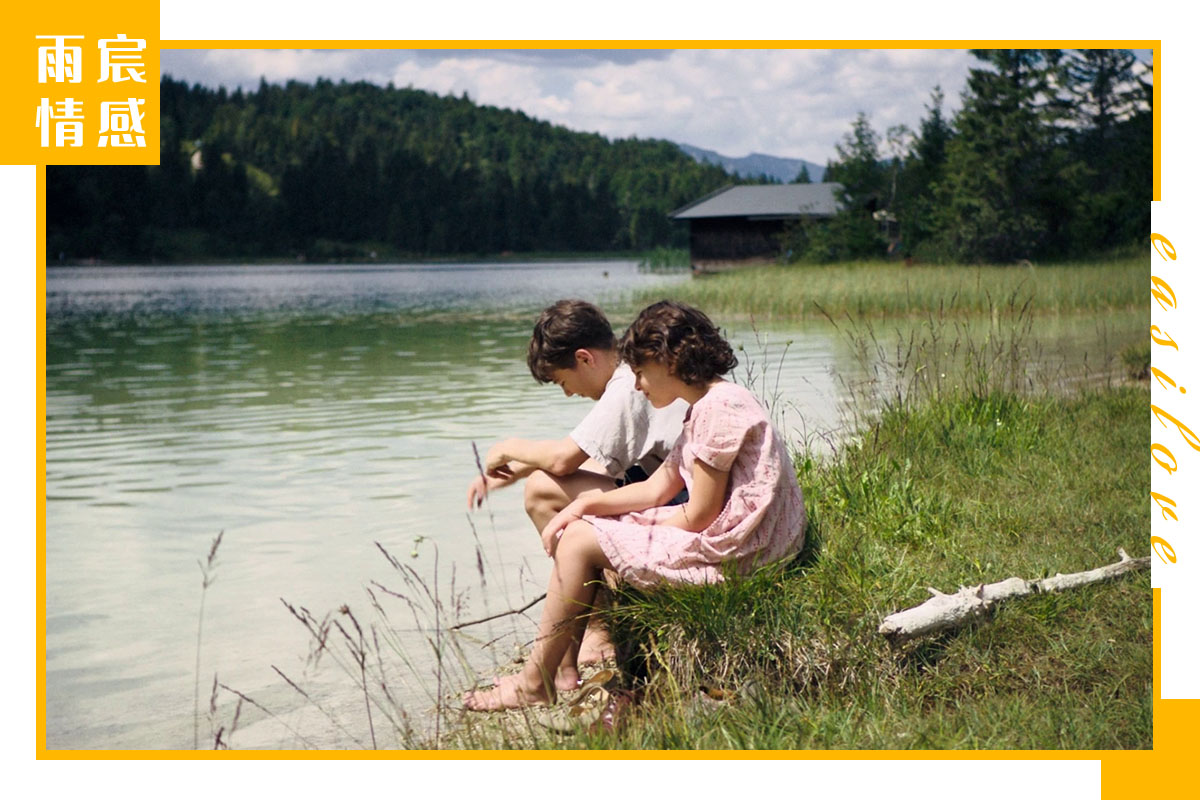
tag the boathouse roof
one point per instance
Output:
(788, 201)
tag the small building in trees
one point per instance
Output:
(740, 226)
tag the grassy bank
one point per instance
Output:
(889, 288)
(948, 493)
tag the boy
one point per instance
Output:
(622, 439)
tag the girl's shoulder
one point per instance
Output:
(728, 394)
(725, 419)
(730, 401)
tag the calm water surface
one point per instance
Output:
(309, 413)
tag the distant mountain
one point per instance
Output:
(756, 164)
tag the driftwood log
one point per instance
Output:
(944, 611)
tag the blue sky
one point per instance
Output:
(792, 103)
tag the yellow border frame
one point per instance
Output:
(1122, 772)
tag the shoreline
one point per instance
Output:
(513, 258)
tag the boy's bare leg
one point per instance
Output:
(546, 494)
(566, 676)
(596, 646)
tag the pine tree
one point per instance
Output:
(338, 170)
(923, 169)
(1006, 183)
(1107, 104)
(858, 168)
(1100, 88)
(853, 232)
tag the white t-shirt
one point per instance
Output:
(623, 429)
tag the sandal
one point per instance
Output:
(586, 708)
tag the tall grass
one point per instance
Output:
(208, 575)
(369, 650)
(887, 288)
(665, 259)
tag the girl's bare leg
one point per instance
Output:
(567, 678)
(545, 496)
(577, 565)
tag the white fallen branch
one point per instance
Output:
(944, 611)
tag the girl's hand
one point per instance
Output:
(555, 527)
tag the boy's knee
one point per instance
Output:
(543, 495)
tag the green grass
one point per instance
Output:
(888, 288)
(952, 493)
(1136, 358)
(935, 491)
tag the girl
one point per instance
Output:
(744, 507)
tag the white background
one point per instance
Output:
(612, 19)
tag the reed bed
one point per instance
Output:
(873, 289)
(665, 259)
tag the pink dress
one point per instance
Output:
(763, 518)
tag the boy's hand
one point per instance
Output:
(555, 527)
(496, 463)
(481, 486)
(476, 492)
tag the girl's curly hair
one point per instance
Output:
(683, 338)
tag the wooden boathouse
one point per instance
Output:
(740, 226)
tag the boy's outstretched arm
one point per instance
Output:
(556, 456)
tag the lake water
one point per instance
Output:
(309, 412)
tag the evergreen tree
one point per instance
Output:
(853, 232)
(1006, 183)
(858, 168)
(1100, 88)
(1106, 112)
(922, 170)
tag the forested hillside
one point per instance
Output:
(342, 170)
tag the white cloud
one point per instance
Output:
(795, 103)
(276, 65)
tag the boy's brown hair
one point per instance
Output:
(563, 328)
(681, 337)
